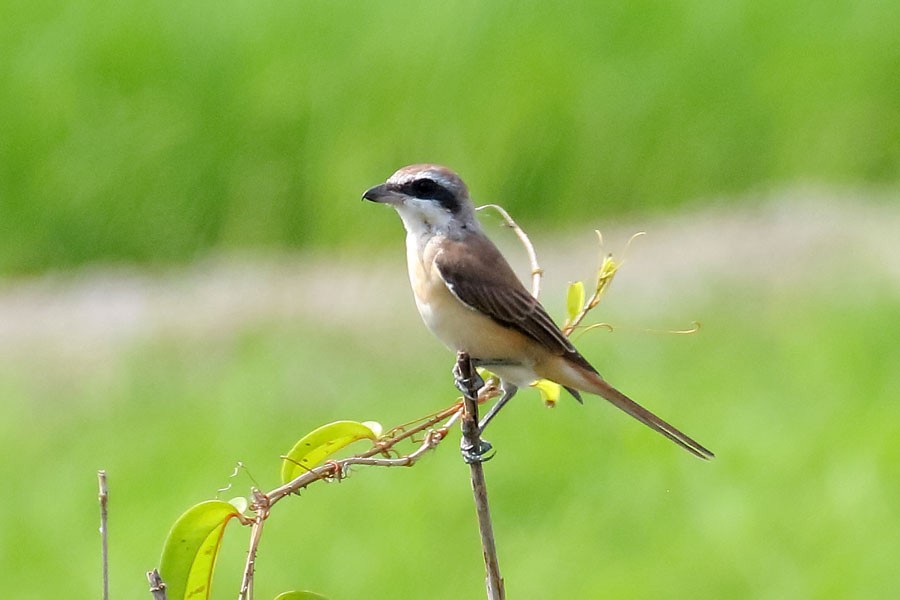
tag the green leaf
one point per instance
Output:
(574, 300)
(189, 555)
(300, 596)
(550, 391)
(318, 445)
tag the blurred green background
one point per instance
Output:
(157, 130)
(140, 143)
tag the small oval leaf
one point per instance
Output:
(574, 300)
(321, 443)
(300, 596)
(189, 555)
(550, 391)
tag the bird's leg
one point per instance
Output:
(509, 390)
(469, 386)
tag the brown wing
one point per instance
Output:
(480, 277)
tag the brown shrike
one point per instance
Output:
(471, 299)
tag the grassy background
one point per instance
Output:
(154, 131)
(796, 396)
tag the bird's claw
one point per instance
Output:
(472, 455)
(467, 385)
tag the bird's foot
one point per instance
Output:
(467, 385)
(472, 455)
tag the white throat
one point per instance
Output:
(424, 219)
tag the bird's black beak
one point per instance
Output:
(383, 194)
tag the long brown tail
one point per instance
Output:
(600, 387)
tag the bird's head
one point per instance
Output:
(429, 199)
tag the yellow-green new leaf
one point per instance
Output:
(321, 443)
(550, 391)
(574, 300)
(189, 555)
(605, 274)
(300, 596)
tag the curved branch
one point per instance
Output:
(536, 271)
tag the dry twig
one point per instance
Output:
(104, 532)
(472, 441)
(157, 585)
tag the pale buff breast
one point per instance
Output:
(458, 326)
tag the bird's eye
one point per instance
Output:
(424, 188)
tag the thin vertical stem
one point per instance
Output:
(472, 436)
(104, 532)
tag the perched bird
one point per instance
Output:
(472, 300)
